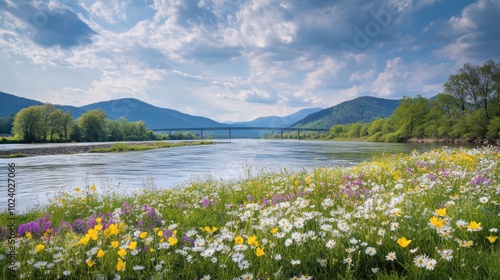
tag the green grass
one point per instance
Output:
(340, 223)
(127, 147)
(14, 155)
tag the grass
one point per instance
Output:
(127, 147)
(432, 215)
(14, 155)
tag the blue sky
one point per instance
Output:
(240, 59)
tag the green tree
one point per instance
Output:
(354, 130)
(477, 125)
(114, 130)
(410, 115)
(46, 110)
(494, 129)
(6, 124)
(28, 124)
(336, 130)
(93, 125)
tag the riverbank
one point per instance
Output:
(96, 148)
(449, 141)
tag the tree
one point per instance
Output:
(66, 123)
(46, 110)
(6, 124)
(455, 87)
(28, 124)
(354, 130)
(93, 125)
(54, 123)
(410, 115)
(336, 130)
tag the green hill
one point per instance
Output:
(12, 104)
(362, 109)
(154, 117)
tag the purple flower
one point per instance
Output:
(205, 202)
(79, 226)
(32, 227)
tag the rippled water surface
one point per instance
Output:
(37, 176)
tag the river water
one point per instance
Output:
(38, 177)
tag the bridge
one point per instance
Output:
(231, 128)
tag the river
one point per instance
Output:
(37, 177)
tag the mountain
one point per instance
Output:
(362, 109)
(274, 121)
(154, 117)
(12, 104)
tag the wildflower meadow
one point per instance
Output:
(432, 215)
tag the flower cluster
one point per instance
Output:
(423, 215)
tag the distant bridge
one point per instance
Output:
(231, 128)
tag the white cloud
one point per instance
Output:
(109, 10)
(474, 34)
(399, 79)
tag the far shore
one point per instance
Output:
(97, 148)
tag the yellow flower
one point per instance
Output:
(132, 245)
(441, 212)
(403, 242)
(28, 235)
(252, 240)
(101, 253)
(84, 240)
(122, 252)
(238, 240)
(172, 240)
(492, 238)
(39, 248)
(111, 230)
(259, 252)
(98, 220)
(115, 244)
(90, 262)
(210, 230)
(160, 233)
(274, 230)
(473, 226)
(92, 233)
(77, 189)
(436, 222)
(151, 250)
(143, 235)
(120, 265)
(98, 227)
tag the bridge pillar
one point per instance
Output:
(229, 134)
(201, 134)
(298, 134)
(281, 134)
(170, 133)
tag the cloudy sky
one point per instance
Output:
(235, 60)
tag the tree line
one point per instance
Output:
(468, 109)
(46, 123)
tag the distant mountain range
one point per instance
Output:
(362, 109)
(274, 121)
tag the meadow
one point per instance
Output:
(432, 215)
